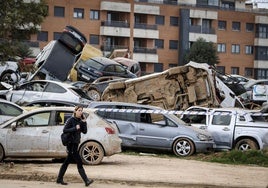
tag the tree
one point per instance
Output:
(202, 52)
(19, 19)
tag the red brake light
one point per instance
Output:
(109, 130)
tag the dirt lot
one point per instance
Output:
(151, 171)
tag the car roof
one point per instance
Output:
(105, 61)
(63, 84)
(94, 104)
(252, 82)
(56, 102)
(125, 61)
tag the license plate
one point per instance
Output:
(85, 77)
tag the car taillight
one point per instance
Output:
(109, 130)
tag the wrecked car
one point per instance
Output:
(176, 88)
(36, 134)
(145, 127)
(57, 58)
(43, 89)
(9, 72)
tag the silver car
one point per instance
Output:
(43, 89)
(37, 134)
(144, 126)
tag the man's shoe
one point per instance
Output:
(61, 182)
(88, 182)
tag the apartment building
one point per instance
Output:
(158, 33)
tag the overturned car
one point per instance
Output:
(174, 89)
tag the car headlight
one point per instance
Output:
(203, 137)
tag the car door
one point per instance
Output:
(221, 129)
(57, 124)
(154, 131)
(29, 135)
(27, 92)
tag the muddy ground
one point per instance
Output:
(144, 169)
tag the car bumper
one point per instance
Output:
(202, 146)
(113, 145)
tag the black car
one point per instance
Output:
(96, 67)
(95, 89)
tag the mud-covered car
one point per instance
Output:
(95, 89)
(9, 72)
(176, 88)
(43, 89)
(147, 127)
(36, 134)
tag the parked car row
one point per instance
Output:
(123, 125)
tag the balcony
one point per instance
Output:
(200, 29)
(115, 6)
(145, 31)
(143, 54)
(115, 28)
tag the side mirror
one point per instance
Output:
(13, 126)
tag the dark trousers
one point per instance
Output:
(73, 156)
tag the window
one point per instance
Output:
(173, 44)
(94, 14)
(59, 11)
(249, 27)
(222, 25)
(235, 48)
(262, 31)
(78, 13)
(227, 5)
(249, 49)
(160, 20)
(236, 26)
(234, 70)
(42, 36)
(174, 21)
(39, 119)
(248, 72)
(56, 35)
(221, 69)
(94, 39)
(221, 119)
(159, 43)
(221, 47)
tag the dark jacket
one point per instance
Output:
(70, 127)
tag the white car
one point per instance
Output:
(242, 80)
(37, 133)
(257, 90)
(44, 89)
(9, 110)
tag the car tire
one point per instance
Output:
(91, 153)
(246, 144)
(94, 94)
(10, 77)
(183, 147)
(2, 153)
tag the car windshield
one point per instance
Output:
(93, 63)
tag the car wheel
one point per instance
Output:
(246, 144)
(10, 78)
(91, 153)
(2, 153)
(183, 147)
(94, 94)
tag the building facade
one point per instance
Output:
(158, 33)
